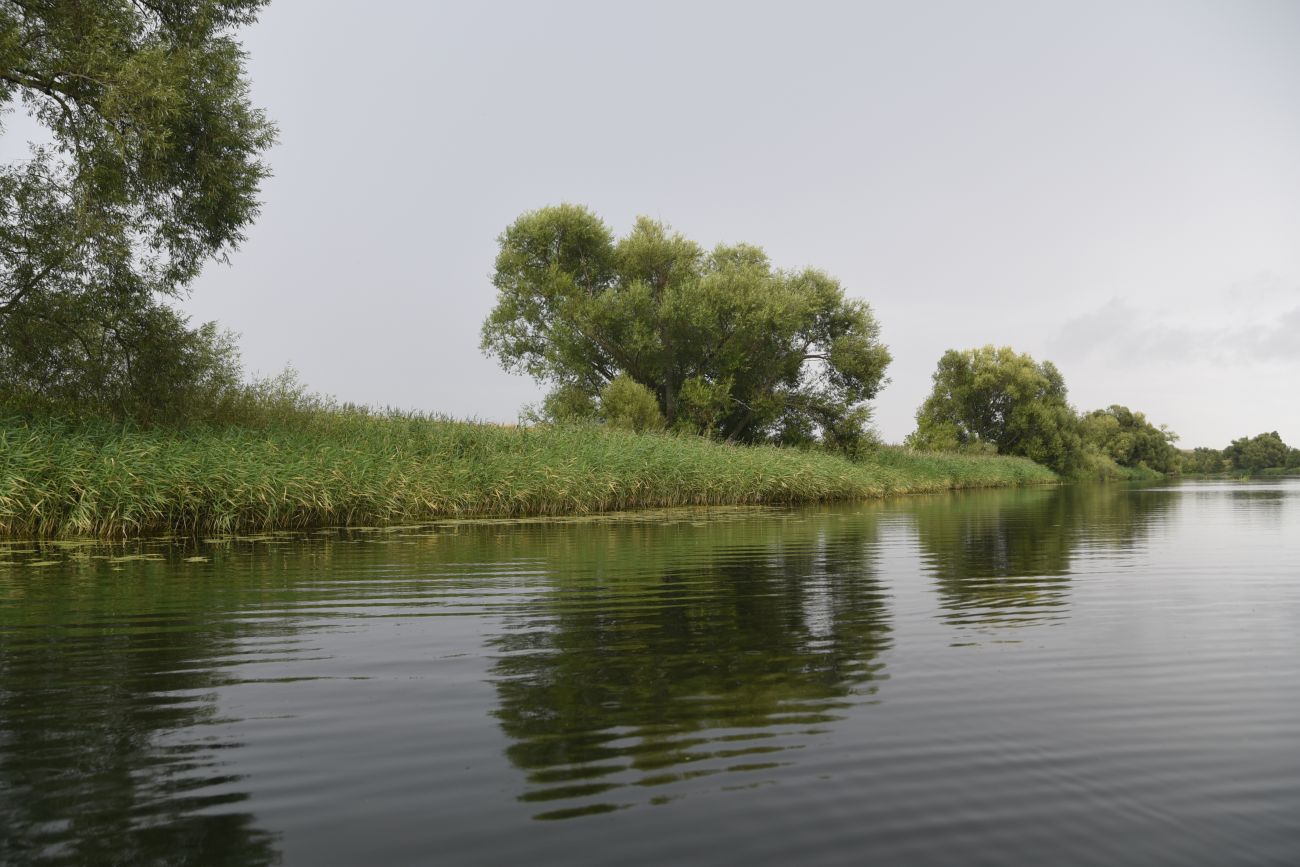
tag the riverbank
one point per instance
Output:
(345, 468)
(1247, 475)
(1101, 468)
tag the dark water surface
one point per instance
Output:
(1083, 675)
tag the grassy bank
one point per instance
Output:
(332, 468)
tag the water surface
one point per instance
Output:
(1080, 675)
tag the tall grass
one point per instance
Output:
(332, 467)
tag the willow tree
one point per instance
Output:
(1129, 439)
(995, 399)
(149, 167)
(728, 345)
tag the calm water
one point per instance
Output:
(1090, 675)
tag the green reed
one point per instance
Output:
(347, 467)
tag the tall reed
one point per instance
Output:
(345, 467)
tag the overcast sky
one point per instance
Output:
(1114, 186)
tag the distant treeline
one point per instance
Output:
(993, 400)
(1265, 452)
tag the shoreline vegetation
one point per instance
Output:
(678, 374)
(350, 467)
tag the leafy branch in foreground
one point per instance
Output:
(152, 168)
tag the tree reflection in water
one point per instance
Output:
(666, 652)
(1003, 558)
(96, 673)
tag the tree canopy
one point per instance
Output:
(1127, 438)
(152, 168)
(1201, 460)
(1261, 452)
(994, 398)
(728, 345)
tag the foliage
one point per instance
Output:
(566, 403)
(273, 401)
(626, 403)
(332, 466)
(1264, 451)
(1127, 438)
(729, 346)
(1202, 461)
(152, 169)
(146, 365)
(995, 396)
(1098, 466)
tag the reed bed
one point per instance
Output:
(345, 468)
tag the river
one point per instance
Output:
(1090, 674)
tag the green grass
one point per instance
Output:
(340, 467)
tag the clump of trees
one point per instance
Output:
(993, 400)
(1127, 438)
(1262, 452)
(727, 345)
(1202, 461)
(997, 401)
(152, 169)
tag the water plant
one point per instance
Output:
(349, 467)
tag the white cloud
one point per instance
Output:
(1120, 331)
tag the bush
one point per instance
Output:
(627, 404)
(144, 365)
(568, 403)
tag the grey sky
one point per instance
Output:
(1114, 186)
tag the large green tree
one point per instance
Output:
(729, 345)
(1129, 439)
(994, 398)
(151, 168)
(1261, 452)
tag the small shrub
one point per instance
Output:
(627, 404)
(569, 403)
